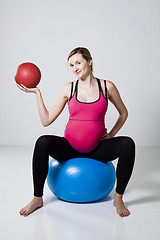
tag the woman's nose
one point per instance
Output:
(75, 68)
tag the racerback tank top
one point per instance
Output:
(86, 126)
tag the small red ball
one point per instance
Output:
(28, 74)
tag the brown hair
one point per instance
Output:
(85, 53)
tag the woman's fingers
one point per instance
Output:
(27, 90)
(22, 88)
(31, 90)
(106, 136)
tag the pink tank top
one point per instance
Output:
(86, 126)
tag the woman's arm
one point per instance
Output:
(115, 98)
(48, 116)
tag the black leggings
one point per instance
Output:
(60, 149)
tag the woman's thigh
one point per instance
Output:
(109, 149)
(60, 149)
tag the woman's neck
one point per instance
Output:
(87, 81)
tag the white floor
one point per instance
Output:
(94, 221)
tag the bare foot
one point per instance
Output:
(119, 204)
(36, 203)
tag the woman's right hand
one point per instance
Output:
(28, 90)
(106, 135)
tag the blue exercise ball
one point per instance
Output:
(81, 179)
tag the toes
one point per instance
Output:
(123, 213)
(120, 213)
(126, 213)
(26, 214)
(22, 211)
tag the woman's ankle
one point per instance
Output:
(118, 196)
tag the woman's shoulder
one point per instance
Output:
(109, 83)
(66, 88)
(110, 86)
(69, 84)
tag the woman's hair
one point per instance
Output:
(85, 53)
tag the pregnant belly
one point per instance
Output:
(84, 136)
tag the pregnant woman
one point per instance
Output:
(85, 134)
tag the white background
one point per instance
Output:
(123, 38)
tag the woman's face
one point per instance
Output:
(80, 66)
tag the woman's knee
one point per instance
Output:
(128, 143)
(42, 141)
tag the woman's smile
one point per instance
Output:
(78, 72)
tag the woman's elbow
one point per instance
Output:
(45, 124)
(125, 114)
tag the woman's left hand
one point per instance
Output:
(106, 136)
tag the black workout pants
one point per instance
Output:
(58, 148)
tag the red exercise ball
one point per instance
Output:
(28, 74)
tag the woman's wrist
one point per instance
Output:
(37, 91)
(110, 134)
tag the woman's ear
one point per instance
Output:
(90, 62)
